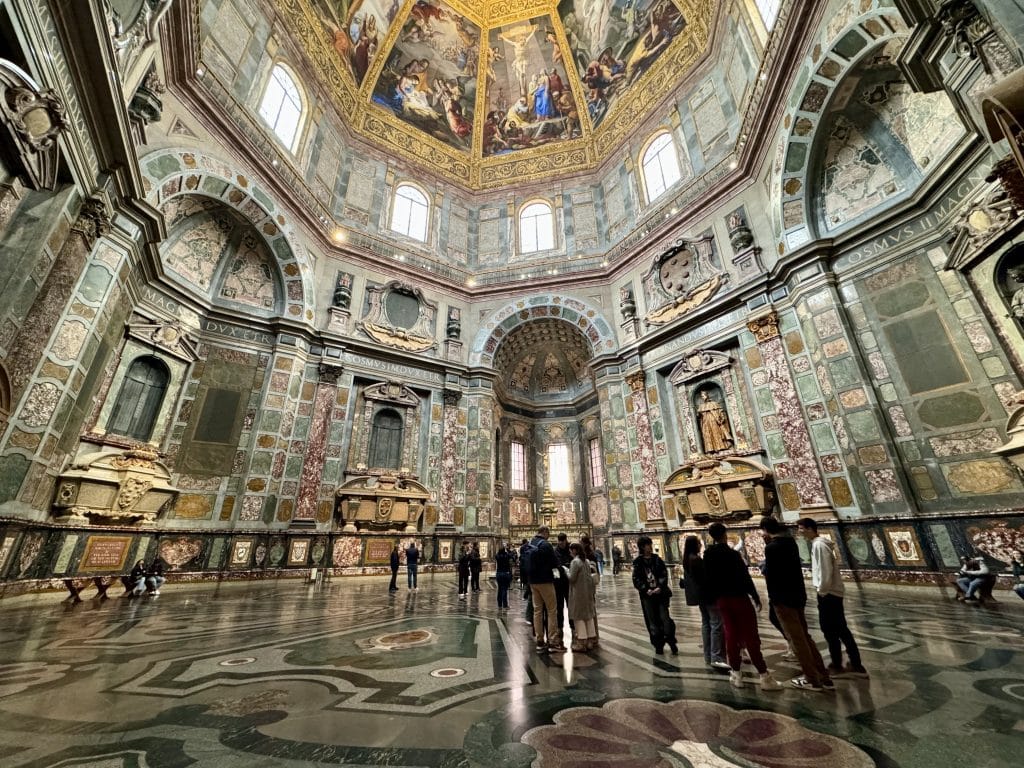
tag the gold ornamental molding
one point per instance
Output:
(765, 327)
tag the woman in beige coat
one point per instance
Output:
(582, 608)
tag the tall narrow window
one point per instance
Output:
(536, 228)
(559, 479)
(386, 440)
(660, 166)
(281, 106)
(410, 212)
(769, 11)
(596, 465)
(518, 466)
(138, 403)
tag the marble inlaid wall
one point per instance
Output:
(480, 450)
(620, 444)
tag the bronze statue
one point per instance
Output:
(714, 425)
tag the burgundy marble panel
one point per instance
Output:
(650, 492)
(316, 451)
(449, 465)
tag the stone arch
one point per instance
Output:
(169, 173)
(587, 318)
(850, 36)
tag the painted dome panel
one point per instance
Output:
(429, 79)
(530, 101)
(359, 29)
(614, 43)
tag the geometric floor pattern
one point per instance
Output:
(287, 674)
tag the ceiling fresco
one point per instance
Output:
(491, 92)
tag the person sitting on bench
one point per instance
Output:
(135, 582)
(972, 579)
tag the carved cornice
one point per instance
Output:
(699, 362)
(637, 381)
(93, 220)
(765, 327)
(34, 118)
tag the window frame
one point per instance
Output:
(142, 403)
(524, 210)
(594, 452)
(517, 466)
(559, 463)
(374, 447)
(273, 122)
(428, 208)
(651, 158)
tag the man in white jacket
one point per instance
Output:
(828, 583)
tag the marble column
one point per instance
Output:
(804, 469)
(316, 445)
(650, 491)
(449, 458)
(92, 223)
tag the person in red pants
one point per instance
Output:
(733, 591)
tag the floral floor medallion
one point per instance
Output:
(638, 733)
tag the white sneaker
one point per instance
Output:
(462, 597)
(769, 683)
(736, 678)
(156, 593)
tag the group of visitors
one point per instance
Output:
(721, 586)
(144, 578)
(412, 563)
(561, 579)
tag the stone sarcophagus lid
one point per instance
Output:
(381, 503)
(721, 489)
(120, 487)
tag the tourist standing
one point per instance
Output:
(784, 580)
(544, 571)
(828, 583)
(650, 578)
(503, 574)
(582, 600)
(412, 562)
(475, 566)
(396, 560)
(463, 568)
(616, 559)
(698, 593)
(1018, 574)
(562, 584)
(732, 588)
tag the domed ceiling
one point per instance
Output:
(491, 92)
(542, 360)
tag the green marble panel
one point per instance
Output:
(807, 388)
(261, 463)
(944, 545)
(844, 373)
(823, 438)
(163, 167)
(270, 421)
(776, 446)
(862, 426)
(95, 283)
(952, 410)
(293, 467)
(898, 301)
(765, 404)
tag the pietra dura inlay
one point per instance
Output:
(275, 674)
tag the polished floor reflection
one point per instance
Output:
(287, 674)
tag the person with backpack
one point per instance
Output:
(524, 579)
(544, 569)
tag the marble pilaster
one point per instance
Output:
(650, 490)
(316, 445)
(449, 459)
(796, 437)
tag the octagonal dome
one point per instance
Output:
(490, 92)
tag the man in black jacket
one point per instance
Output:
(396, 559)
(731, 586)
(784, 578)
(650, 577)
(543, 570)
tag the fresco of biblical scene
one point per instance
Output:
(358, 28)
(614, 43)
(529, 100)
(429, 80)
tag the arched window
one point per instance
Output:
(386, 440)
(410, 212)
(660, 166)
(281, 106)
(536, 228)
(138, 403)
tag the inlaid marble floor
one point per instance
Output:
(286, 674)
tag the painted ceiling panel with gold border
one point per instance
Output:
(487, 94)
